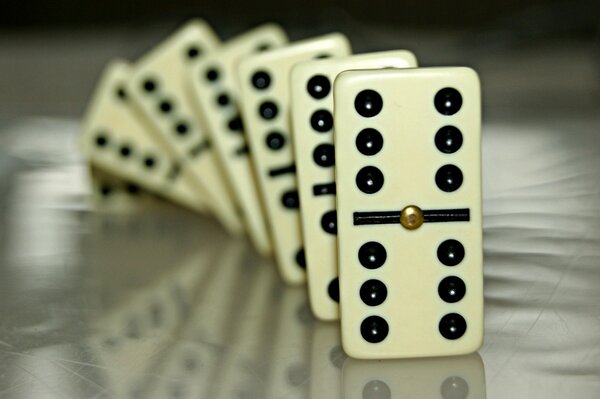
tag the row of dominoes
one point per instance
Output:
(391, 202)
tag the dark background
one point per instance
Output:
(536, 58)
(531, 15)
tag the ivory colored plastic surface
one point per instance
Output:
(115, 139)
(265, 103)
(408, 139)
(312, 93)
(217, 102)
(436, 378)
(159, 88)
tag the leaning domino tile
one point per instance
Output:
(158, 87)
(312, 121)
(215, 91)
(408, 178)
(459, 377)
(265, 103)
(114, 139)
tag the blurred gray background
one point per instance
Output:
(536, 58)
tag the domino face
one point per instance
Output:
(159, 88)
(408, 173)
(312, 91)
(115, 140)
(217, 100)
(446, 378)
(265, 102)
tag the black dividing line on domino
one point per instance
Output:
(200, 148)
(324, 189)
(429, 216)
(285, 170)
(243, 150)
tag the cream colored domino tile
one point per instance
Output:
(159, 89)
(217, 102)
(265, 104)
(407, 149)
(312, 91)
(115, 140)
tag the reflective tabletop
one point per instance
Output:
(138, 299)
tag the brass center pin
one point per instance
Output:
(411, 217)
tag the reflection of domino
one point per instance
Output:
(243, 364)
(326, 361)
(111, 194)
(289, 373)
(130, 335)
(434, 378)
(191, 364)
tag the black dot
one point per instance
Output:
(212, 74)
(101, 140)
(376, 389)
(150, 162)
(105, 190)
(149, 85)
(324, 155)
(223, 99)
(125, 151)
(290, 200)
(373, 292)
(121, 93)
(454, 388)
(449, 178)
(448, 101)
(333, 289)
(133, 189)
(181, 128)
(452, 289)
(448, 139)
(235, 124)
(372, 255)
(452, 326)
(451, 252)
(261, 80)
(369, 180)
(374, 329)
(268, 110)
(165, 106)
(263, 47)
(329, 222)
(318, 86)
(368, 103)
(275, 141)
(193, 52)
(369, 141)
(321, 120)
(300, 258)
(322, 56)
